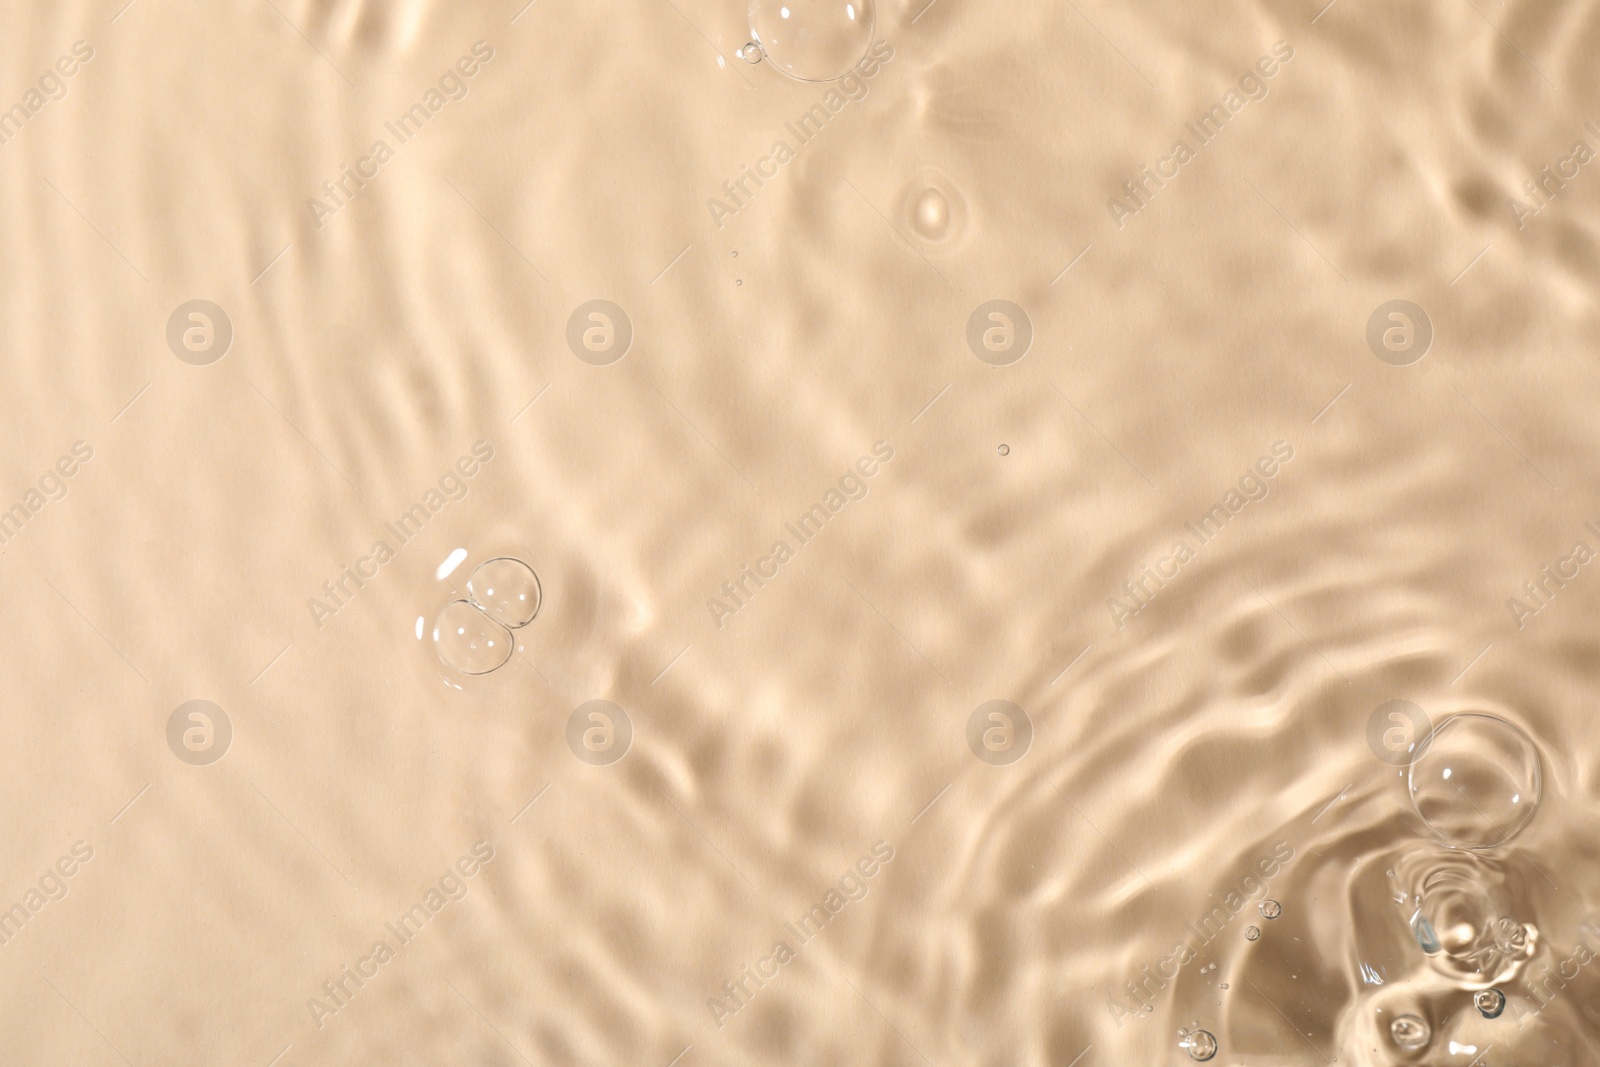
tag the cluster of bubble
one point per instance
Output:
(1475, 781)
(1200, 1044)
(473, 636)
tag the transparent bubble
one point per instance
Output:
(1202, 1045)
(507, 589)
(1252, 932)
(1461, 908)
(1410, 1032)
(750, 53)
(812, 40)
(1476, 781)
(1004, 450)
(1271, 909)
(1489, 1002)
(468, 641)
(1426, 936)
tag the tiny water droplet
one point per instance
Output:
(738, 281)
(1200, 1043)
(1224, 985)
(1410, 1032)
(750, 53)
(1004, 450)
(1252, 932)
(1490, 1002)
(1271, 908)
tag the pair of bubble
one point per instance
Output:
(1200, 1044)
(473, 636)
(1270, 909)
(1411, 1033)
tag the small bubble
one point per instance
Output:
(751, 54)
(1252, 932)
(738, 281)
(1004, 450)
(1490, 1003)
(1410, 1032)
(1200, 1043)
(1271, 908)
(1224, 985)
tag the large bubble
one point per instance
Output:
(469, 641)
(1476, 781)
(813, 40)
(507, 589)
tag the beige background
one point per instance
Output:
(770, 754)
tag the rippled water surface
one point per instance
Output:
(831, 532)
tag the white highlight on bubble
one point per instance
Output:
(451, 562)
